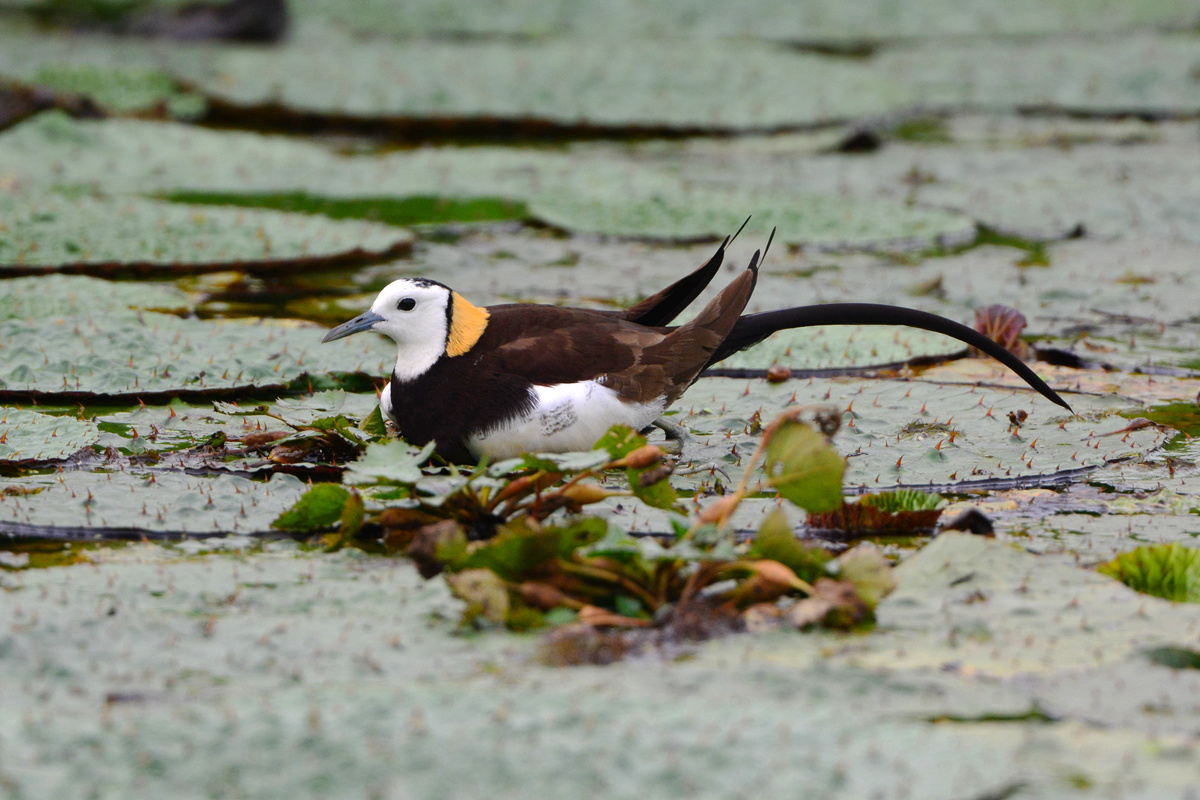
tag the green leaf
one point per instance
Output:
(484, 592)
(582, 532)
(903, 500)
(515, 550)
(869, 571)
(389, 462)
(351, 520)
(373, 423)
(803, 468)
(775, 541)
(619, 441)
(319, 508)
(576, 461)
(628, 606)
(659, 493)
(1170, 571)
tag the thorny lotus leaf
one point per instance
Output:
(841, 347)
(29, 436)
(178, 617)
(60, 296)
(1037, 182)
(1039, 192)
(586, 81)
(1139, 72)
(988, 606)
(829, 23)
(635, 81)
(136, 355)
(1170, 571)
(589, 189)
(45, 232)
(683, 212)
(128, 503)
(317, 509)
(914, 433)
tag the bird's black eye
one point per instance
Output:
(407, 304)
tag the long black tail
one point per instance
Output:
(753, 328)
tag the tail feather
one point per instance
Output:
(753, 328)
(660, 308)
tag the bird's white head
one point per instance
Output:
(424, 318)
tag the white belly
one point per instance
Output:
(569, 416)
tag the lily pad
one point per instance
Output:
(657, 84)
(588, 189)
(828, 23)
(131, 503)
(900, 433)
(144, 354)
(989, 607)
(59, 296)
(681, 212)
(27, 436)
(48, 232)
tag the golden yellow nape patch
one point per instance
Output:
(466, 325)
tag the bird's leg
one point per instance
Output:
(677, 435)
(677, 438)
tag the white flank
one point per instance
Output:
(385, 402)
(569, 416)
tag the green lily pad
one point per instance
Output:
(682, 212)
(49, 232)
(61, 348)
(829, 23)
(319, 508)
(588, 189)
(29, 436)
(899, 433)
(1137, 72)
(125, 503)
(840, 347)
(59, 296)
(655, 84)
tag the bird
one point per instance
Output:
(497, 381)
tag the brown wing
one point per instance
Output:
(547, 345)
